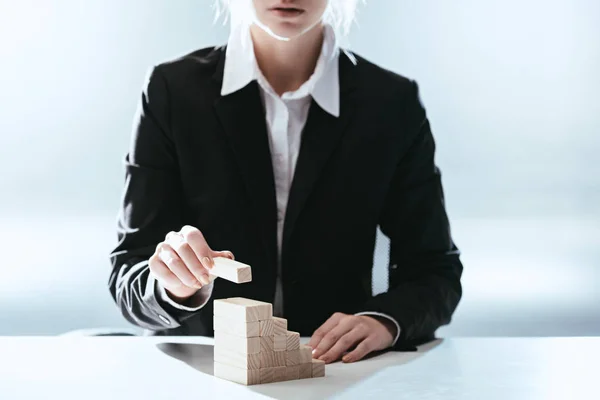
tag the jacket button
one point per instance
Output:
(394, 266)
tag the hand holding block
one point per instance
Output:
(241, 309)
(231, 270)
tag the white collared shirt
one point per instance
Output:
(286, 116)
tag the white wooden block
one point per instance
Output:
(246, 345)
(266, 327)
(241, 309)
(238, 375)
(267, 375)
(318, 368)
(236, 359)
(266, 343)
(272, 359)
(279, 343)
(279, 374)
(235, 327)
(279, 326)
(293, 341)
(292, 373)
(305, 370)
(292, 357)
(305, 354)
(231, 270)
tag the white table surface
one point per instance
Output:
(181, 368)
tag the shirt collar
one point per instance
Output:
(323, 85)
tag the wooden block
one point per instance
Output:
(266, 343)
(305, 371)
(292, 373)
(293, 341)
(236, 359)
(292, 357)
(269, 359)
(279, 343)
(279, 374)
(267, 375)
(318, 368)
(241, 309)
(305, 354)
(266, 327)
(237, 328)
(279, 326)
(245, 345)
(231, 270)
(238, 375)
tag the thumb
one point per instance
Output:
(223, 253)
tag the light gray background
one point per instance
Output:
(512, 91)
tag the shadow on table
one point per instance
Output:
(340, 377)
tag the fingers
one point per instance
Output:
(224, 253)
(187, 255)
(170, 258)
(347, 341)
(195, 239)
(324, 329)
(163, 274)
(363, 348)
(344, 326)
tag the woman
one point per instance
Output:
(289, 153)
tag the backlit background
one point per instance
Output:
(512, 91)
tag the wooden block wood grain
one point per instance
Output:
(266, 343)
(238, 375)
(292, 372)
(231, 270)
(245, 345)
(269, 359)
(279, 374)
(241, 309)
(266, 327)
(266, 375)
(279, 342)
(305, 371)
(233, 327)
(279, 326)
(292, 357)
(293, 341)
(305, 354)
(236, 359)
(318, 368)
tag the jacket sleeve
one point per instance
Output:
(150, 208)
(425, 270)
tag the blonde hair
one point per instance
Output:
(340, 14)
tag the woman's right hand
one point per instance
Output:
(182, 262)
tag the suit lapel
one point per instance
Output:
(321, 136)
(242, 116)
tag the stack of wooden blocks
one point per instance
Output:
(253, 347)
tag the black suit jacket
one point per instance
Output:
(200, 159)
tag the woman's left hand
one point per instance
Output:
(342, 332)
